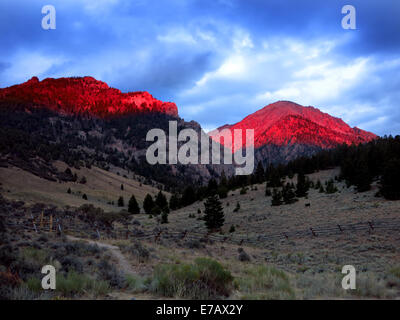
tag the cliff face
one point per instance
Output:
(83, 96)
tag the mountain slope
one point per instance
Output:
(82, 95)
(286, 123)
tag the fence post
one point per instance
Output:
(51, 223)
(157, 237)
(33, 221)
(313, 233)
(286, 235)
(41, 220)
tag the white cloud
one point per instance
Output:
(28, 64)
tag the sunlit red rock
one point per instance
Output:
(283, 122)
(83, 95)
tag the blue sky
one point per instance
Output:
(219, 60)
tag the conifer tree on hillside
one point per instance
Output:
(362, 177)
(276, 198)
(213, 213)
(174, 202)
(133, 206)
(390, 181)
(259, 173)
(301, 186)
(188, 197)
(148, 204)
(330, 187)
(274, 178)
(121, 201)
(161, 200)
(288, 194)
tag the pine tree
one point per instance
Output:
(259, 173)
(276, 198)
(288, 194)
(161, 200)
(362, 177)
(301, 186)
(69, 190)
(164, 217)
(390, 181)
(84, 197)
(213, 213)
(174, 202)
(148, 204)
(274, 178)
(121, 201)
(122, 187)
(133, 206)
(330, 187)
(188, 197)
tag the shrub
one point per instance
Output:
(139, 251)
(110, 273)
(74, 284)
(205, 279)
(135, 284)
(262, 282)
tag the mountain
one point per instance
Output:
(285, 123)
(83, 123)
(83, 95)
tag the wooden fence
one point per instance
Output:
(55, 225)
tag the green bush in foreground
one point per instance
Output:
(205, 279)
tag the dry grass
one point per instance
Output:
(101, 188)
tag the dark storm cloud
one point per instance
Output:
(218, 59)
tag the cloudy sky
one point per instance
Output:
(219, 60)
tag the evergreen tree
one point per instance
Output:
(161, 200)
(69, 190)
(174, 202)
(274, 178)
(122, 187)
(361, 177)
(188, 197)
(121, 201)
(213, 213)
(288, 194)
(133, 206)
(148, 204)
(212, 187)
(301, 186)
(276, 198)
(330, 187)
(222, 192)
(84, 197)
(259, 174)
(390, 181)
(156, 210)
(164, 217)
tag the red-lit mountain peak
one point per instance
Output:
(284, 122)
(83, 95)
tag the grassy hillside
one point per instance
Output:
(101, 187)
